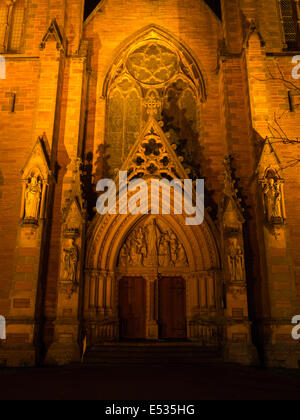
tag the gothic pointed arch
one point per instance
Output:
(253, 31)
(152, 156)
(151, 246)
(187, 63)
(36, 176)
(152, 73)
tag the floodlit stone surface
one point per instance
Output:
(158, 89)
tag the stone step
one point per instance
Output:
(124, 354)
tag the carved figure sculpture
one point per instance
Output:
(235, 260)
(164, 251)
(71, 259)
(272, 198)
(33, 198)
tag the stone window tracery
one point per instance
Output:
(11, 25)
(123, 123)
(150, 79)
(290, 18)
(152, 64)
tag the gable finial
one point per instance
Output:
(53, 32)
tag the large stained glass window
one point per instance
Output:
(150, 76)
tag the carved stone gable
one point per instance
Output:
(268, 160)
(231, 221)
(53, 33)
(152, 156)
(230, 208)
(74, 194)
(38, 158)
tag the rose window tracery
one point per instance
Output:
(152, 64)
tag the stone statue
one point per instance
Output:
(272, 198)
(33, 194)
(164, 251)
(152, 238)
(278, 211)
(124, 258)
(181, 257)
(235, 260)
(173, 247)
(141, 246)
(132, 252)
(71, 259)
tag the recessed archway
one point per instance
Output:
(199, 268)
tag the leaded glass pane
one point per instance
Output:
(17, 28)
(3, 20)
(289, 20)
(133, 118)
(114, 148)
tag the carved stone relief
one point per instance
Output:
(152, 244)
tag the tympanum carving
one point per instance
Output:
(152, 244)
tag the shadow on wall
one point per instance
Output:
(182, 130)
(90, 179)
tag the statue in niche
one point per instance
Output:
(33, 194)
(71, 259)
(235, 260)
(272, 199)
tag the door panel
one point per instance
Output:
(172, 307)
(132, 308)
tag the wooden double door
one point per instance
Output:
(171, 308)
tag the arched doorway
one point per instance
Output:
(154, 250)
(167, 271)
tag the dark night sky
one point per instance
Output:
(91, 4)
